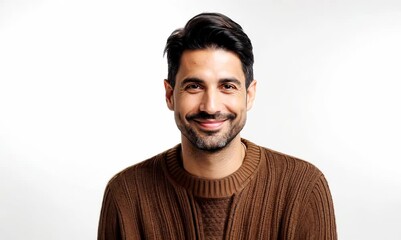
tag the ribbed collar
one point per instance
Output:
(213, 188)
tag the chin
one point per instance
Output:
(211, 143)
(214, 147)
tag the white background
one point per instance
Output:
(82, 97)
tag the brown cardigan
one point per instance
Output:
(271, 196)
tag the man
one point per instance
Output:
(215, 185)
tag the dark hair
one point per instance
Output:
(209, 30)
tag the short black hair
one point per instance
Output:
(209, 30)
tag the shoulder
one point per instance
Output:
(296, 178)
(139, 174)
(288, 174)
(285, 163)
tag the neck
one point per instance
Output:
(213, 165)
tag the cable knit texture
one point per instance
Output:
(271, 196)
(214, 212)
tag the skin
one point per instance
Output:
(210, 103)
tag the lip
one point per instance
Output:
(210, 125)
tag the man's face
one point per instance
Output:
(210, 99)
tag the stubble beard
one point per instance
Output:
(212, 141)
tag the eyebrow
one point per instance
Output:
(191, 80)
(230, 80)
(197, 80)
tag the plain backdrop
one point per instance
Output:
(82, 97)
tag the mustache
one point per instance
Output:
(216, 116)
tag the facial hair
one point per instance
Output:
(211, 141)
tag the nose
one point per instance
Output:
(210, 102)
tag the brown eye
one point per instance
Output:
(193, 87)
(228, 86)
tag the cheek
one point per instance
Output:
(188, 101)
(236, 103)
(185, 105)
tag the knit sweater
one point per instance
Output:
(271, 196)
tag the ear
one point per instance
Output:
(250, 95)
(169, 95)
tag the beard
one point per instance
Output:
(211, 141)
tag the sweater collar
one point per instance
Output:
(213, 188)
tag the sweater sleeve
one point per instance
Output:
(109, 227)
(318, 220)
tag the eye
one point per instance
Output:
(193, 87)
(228, 86)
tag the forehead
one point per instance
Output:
(210, 64)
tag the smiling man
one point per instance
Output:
(215, 185)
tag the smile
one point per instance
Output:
(209, 124)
